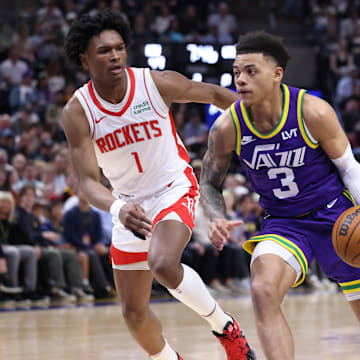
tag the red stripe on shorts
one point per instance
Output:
(119, 257)
(184, 207)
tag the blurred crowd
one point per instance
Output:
(54, 245)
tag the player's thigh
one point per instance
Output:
(168, 240)
(133, 287)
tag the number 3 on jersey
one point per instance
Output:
(137, 160)
(289, 186)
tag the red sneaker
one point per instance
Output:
(179, 357)
(234, 342)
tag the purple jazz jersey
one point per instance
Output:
(309, 237)
(286, 167)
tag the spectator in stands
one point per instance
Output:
(51, 258)
(225, 23)
(54, 111)
(56, 78)
(234, 262)
(189, 19)
(341, 60)
(53, 230)
(23, 93)
(7, 141)
(18, 162)
(8, 170)
(30, 175)
(12, 69)
(82, 232)
(172, 35)
(349, 24)
(346, 84)
(50, 14)
(16, 255)
(5, 121)
(61, 164)
(195, 131)
(323, 13)
(162, 21)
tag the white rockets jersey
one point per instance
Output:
(135, 141)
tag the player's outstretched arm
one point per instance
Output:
(324, 126)
(215, 164)
(83, 158)
(174, 87)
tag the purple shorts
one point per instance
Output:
(309, 237)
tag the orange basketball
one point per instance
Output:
(346, 236)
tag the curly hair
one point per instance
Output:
(86, 27)
(263, 43)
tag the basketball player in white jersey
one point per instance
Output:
(121, 122)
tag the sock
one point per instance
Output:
(193, 293)
(167, 353)
(86, 281)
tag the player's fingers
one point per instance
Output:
(140, 215)
(139, 225)
(217, 238)
(233, 224)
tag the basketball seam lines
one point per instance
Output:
(347, 244)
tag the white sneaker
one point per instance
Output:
(60, 294)
(82, 296)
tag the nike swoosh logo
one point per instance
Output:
(98, 120)
(331, 203)
(247, 141)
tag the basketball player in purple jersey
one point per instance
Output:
(121, 122)
(299, 160)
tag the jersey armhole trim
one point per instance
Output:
(310, 141)
(236, 122)
(148, 93)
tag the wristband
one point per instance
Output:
(116, 207)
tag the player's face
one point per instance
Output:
(256, 77)
(105, 57)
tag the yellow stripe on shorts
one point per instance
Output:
(249, 246)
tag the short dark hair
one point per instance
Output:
(25, 188)
(266, 44)
(86, 27)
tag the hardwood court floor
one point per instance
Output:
(323, 325)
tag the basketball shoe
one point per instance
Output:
(234, 342)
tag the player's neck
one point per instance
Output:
(266, 115)
(111, 93)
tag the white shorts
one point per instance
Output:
(272, 247)
(176, 202)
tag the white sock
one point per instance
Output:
(167, 353)
(193, 293)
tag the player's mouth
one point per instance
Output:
(117, 69)
(244, 92)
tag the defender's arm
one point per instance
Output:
(174, 87)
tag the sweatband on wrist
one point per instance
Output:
(116, 207)
(349, 170)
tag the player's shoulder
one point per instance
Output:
(73, 106)
(315, 108)
(74, 110)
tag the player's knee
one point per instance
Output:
(164, 270)
(133, 315)
(264, 294)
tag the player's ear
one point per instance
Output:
(84, 61)
(279, 73)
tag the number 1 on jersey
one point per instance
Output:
(136, 156)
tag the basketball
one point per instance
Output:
(346, 236)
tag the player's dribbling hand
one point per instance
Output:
(220, 230)
(134, 218)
